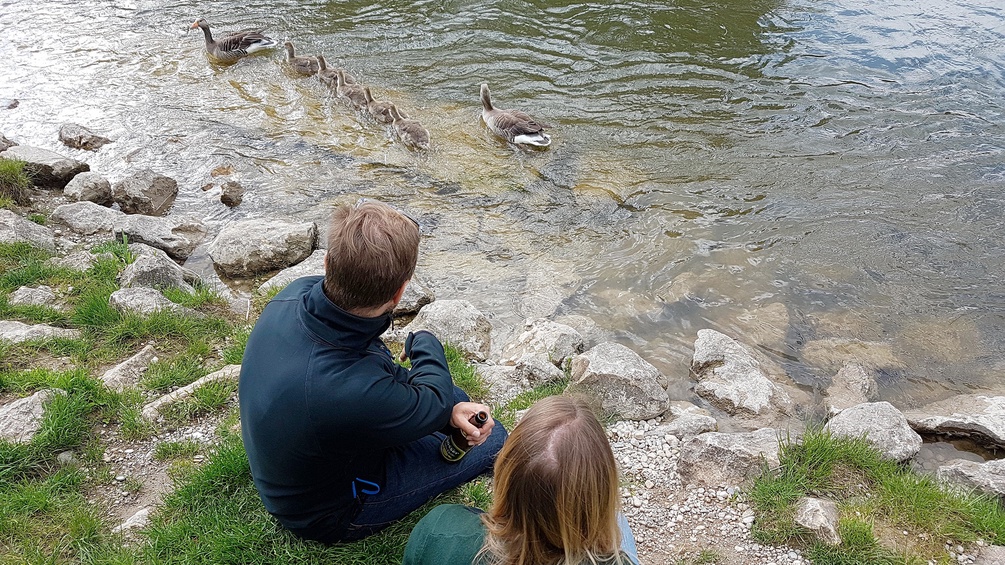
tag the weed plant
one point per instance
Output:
(15, 183)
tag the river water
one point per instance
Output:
(819, 179)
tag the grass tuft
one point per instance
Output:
(15, 182)
(464, 374)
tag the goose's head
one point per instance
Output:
(200, 23)
(289, 50)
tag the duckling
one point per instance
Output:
(302, 65)
(380, 111)
(513, 125)
(351, 92)
(234, 46)
(410, 132)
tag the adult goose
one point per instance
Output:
(301, 65)
(327, 74)
(513, 125)
(351, 92)
(410, 132)
(234, 46)
(380, 111)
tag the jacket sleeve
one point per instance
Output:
(395, 411)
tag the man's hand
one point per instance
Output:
(463, 411)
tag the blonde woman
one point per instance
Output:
(555, 500)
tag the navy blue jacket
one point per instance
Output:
(321, 401)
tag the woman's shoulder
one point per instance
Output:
(450, 533)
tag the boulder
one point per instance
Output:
(556, 342)
(685, 420)
(717, 459)
(77, 261)
(625, 383)
(458, 323)
(153, 409)
(978, 416)
(731, 378)
(251, 247)
(178, 236)
(417, 294)
(47, 169)
(232, 193)
(591, 332)
(311, 266)
(128, 372)
(820, 517)
(85, 217)
(145, 301)
(15, 229)
(154, 271)
(145, 192)
(852, 385)
(16, 332)
(987, 477)
(991, 555)
(79, 137)
(27, 296)
(502, 382)
(536, 370)
(91, 187)
(138, 521)
(883, 426)
(20, 420)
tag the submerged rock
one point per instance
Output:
(79, 137)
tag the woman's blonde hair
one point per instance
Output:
(556, 490)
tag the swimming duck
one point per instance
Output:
(513, 125)
(351, 92)
(327, 74)
(410, 132)
(303, 65)
(380, 111)
(234, 46)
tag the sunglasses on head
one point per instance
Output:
(363, 201)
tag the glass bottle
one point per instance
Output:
(455, 445)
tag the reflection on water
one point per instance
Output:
(800, 175)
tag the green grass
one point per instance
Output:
(233, 351)
(897, 499)
(39, 219)
(31, 314)
(206, 399)
(177, 372)
(464, 374)
(176, 449)
(7, 203)
(15, 182)
(524, 400)
(204, 295)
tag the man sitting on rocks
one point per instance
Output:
(342, 440)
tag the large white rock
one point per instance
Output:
(128, 372)
(251, 247)
(968, 415)
(154, 269)
(625, 383)
(15, 229)
(145, 301)
(883, 426)
(47, 169)
(91, 187)
(685, 420)
(991, 555)
(717, 459)
(988, 477)
(820, 517)
(458, 323)
(554, 341)
(85, 217)
(731, 378)
(417, 294)
(16, 332)
(852, 385)
(21, 419)
(153, 409)
(145, 192)
(311, 266)
(27, 296)
(177, 235)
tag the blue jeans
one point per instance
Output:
(416, 472)
(627, 539)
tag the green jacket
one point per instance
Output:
(451, 534)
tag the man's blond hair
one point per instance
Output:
(372, 250)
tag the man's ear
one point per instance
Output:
(400, 293)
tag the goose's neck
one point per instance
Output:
(486, 102)
(207, 34)
(369, 97)
(322, 65)
(289, 53)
